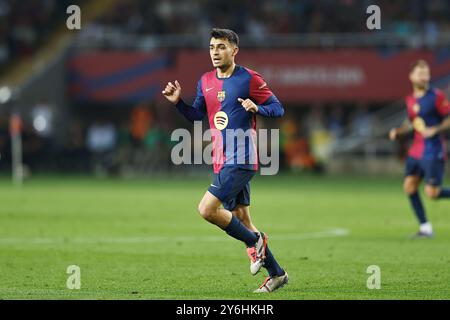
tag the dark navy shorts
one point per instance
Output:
(232, 186)
(432, 170)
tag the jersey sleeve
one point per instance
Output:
(259, 90)
(199, 102)
(271, 108)
(198, 109)
(442, 104)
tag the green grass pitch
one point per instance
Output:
(144, 240)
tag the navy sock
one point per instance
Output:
(240, 232)
(417, 205)
(445, 193)
(272, 265)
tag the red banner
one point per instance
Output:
(293, 75)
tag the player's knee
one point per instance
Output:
(207, 212)
(410, 187)
(432, 192)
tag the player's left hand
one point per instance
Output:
(430, 132)
(248, 105)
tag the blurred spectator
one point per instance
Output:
(296, 149)
(431, 29)
(320, 137)
(156, 138)
(362, 122)
(272, 16)
(101, 140)
(101, 137)
(123, 134)
(74, 156)
(34, 150)
(140, 122)
(25, 25)
(336, 122)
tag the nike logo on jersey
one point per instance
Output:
(262, 86)
(212, 185)
(207, 89)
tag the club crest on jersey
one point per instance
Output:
(221, 96)
(221, 120)
(416, 108)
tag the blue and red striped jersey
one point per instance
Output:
(218, 99)
(427, 111)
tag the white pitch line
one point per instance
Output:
(331, 233)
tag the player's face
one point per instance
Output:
(420, 77)
(222, 53)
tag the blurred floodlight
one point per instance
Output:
(40, 123)
(5, 94)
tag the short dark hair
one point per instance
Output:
(418, 63)
(228, 34)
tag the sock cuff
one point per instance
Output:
(414, 195)
(444, 193)
(234, 221)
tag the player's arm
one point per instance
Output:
(195, 112)
(444, 126)
(443, 108)
(262, 101)
(403, 130)
(271, 108)
(432, 131)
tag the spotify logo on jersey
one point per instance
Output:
(221, 120)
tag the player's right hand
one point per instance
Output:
(393, 134)
(172, 92)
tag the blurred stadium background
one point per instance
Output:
(88, 103)
(90, 100)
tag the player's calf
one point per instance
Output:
(210, 211)
(242, 212)
(432, 192)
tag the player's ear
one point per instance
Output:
(235, 50)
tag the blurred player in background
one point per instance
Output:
(428, 116)
(232, 96)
